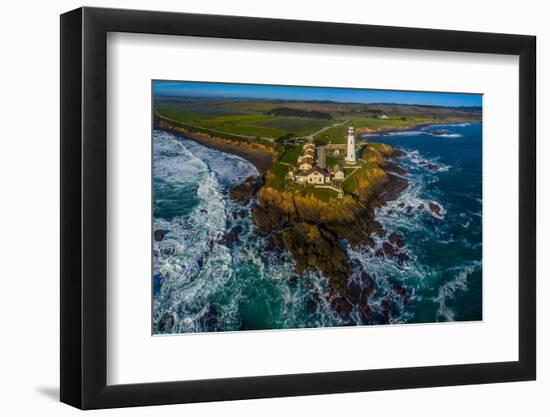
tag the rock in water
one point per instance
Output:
(232, 236)
(396, 239)
(167, 322)
(313, 249)
(435, 208)
(246, 190)
(158, 234)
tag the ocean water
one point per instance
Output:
(204, 281)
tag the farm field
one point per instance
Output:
(270, 120)
(245, 124)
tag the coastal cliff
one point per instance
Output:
(318, 233)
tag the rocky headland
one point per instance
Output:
(319, 233)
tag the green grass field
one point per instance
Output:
(335, 159)
(359, 122)
(291, 155)
(276, 175)
(336, 134)
(249, 124)
(300, 126)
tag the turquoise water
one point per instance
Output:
(204, 282)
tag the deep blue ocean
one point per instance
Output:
(201, 283)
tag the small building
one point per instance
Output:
(289, 175)
(309, 145)
(314, 175)
(306, 163)
(382, 116)
(338, 173)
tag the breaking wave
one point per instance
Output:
(213, 272)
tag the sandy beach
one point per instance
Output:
(260, 156)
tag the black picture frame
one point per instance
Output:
(84, 207)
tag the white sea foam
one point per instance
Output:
(424, 163)
(446, 135)
(230, 169)
(203, 267)
(457, 283)
(406, 133)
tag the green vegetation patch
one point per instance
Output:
(333, 159)
(249, 125)
(276, 175)
(349, 185)
(323, 194)
(393, 122)
(291, 155)
(299, 126)
(288, 111)
(336, 134)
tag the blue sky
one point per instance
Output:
(198, 89)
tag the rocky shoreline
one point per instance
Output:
(318, 234)
(384, 130)
(258, 155)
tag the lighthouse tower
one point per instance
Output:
(350, 155)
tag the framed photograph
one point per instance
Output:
(258, 208)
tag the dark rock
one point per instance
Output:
(396, 239)
(354, 291)
(398, 289)
(239, 214)
(390, 167)
(312, 302)
(167, 322)
(158, 234)
(379, 230)
(232, 236)
(435, 208)
(365, 312)
(293, 279)
(403, 257)
(168, 250)
(246, 190)
(311, 249)
(386, 310)
(389, 249)
(209, 321)
(341, 306)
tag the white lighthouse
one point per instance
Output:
(350, 155)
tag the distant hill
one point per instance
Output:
(287, 111)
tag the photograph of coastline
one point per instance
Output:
(288, 207)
